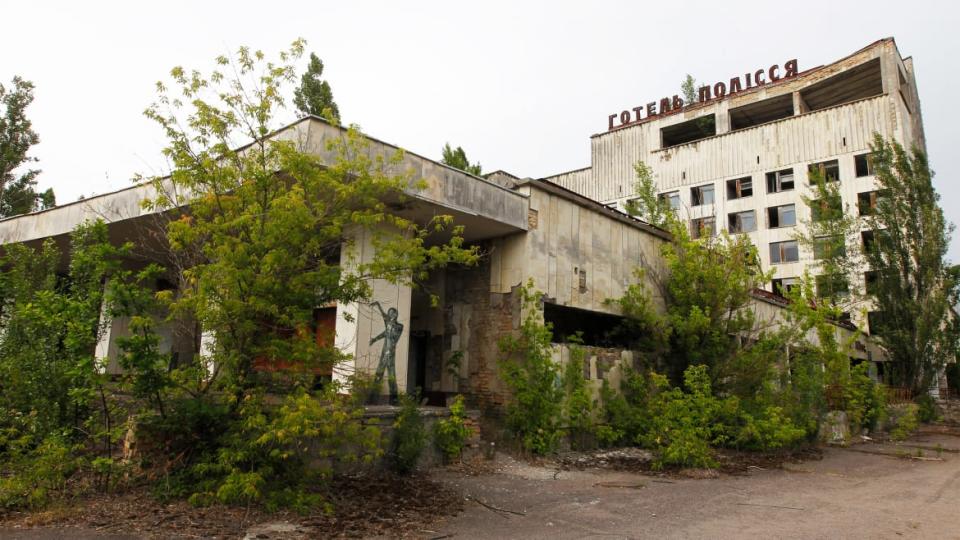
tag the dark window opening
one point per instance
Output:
(853, 84)
(703, 227)
(689, 131)
(596, 329)
(741, 222)
(868, 241)
(863, 165)
(870, 281)
(780, 181)
(876, 321)
(761, 112)
(825, 247)
(782, 252)
(782, 286)
(867, 202)
(832, 286)
(828, 170)
(781, 216)
(673, 198)
(739, 188)
(701, 195)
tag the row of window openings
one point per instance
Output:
(827, 285)
(777, 182)
(778, 216)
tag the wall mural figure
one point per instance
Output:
(392, 331)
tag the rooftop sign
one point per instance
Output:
(706, 93)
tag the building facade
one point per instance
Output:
(739, 158)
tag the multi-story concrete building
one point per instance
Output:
(739, 157)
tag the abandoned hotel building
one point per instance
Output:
(737, 158)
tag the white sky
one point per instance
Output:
(520, 86)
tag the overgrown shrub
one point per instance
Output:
(533, 378)
(450, 434)
(577, 402)
(409, 436)
(905, 420)
(37, 473)
(927, 408)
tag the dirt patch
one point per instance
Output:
(363, 506)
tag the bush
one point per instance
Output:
(409, 436)
(577, 403)
(927, 408)
(450, 434)
(905, 421)
(865, 400)
(38, 474)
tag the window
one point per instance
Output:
(739, 188)
(741, 222)
(829, 246)
(868, 241)
(782, 286)
(782, 252)
(595, 328)
(672, 197)
(821, 209)
(781, 216)
(689, 131)
(863, 165)
(832, 286)
(870, 281)
(701, 195)
(876, 321)
(780, 181)
(828, 170)
(703, 227)
(867, 202)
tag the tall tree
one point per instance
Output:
(914, 288)
(457, 159)
(18, 193)
(689, 89)
(314, 96)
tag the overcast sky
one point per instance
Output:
(521, 86)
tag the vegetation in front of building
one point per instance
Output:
(450, 434)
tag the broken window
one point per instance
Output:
(867, 202)
(782, 286)
(739, 188)
(876, 321)
(703, 227)
(741, 222)
(701, 195)
(780, 181)
(828, 170)
(689, 131)
(829, 247)
(832, 286)
(870, 281)
(857, 83)
(761, 112)
(821, 209)
(596, 329)
(868, 241)
(781, 216)
(863, 165)
(783, 252)
(672, 197)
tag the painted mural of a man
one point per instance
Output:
(388, 354)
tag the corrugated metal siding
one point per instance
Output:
(579, 181)
(810, 137)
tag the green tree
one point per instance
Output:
(314, 96)
(689, 89)
(648, 205)
(457, 159)
(914, 288)
(18, 193)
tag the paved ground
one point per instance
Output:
(849, 494)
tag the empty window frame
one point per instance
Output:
(689, 131)
(703, 227)
(867, 202)
(594, 328)
(832, 286)
(829, 247)
(701, 195)
(828, 170)
(742, 222)
(868, 241)
(821, 210)
(782, 286)
(876, 321)
(863, 165)
(780, 181)
(870, 281)
(781, 216)
(739, 188)
(672, 197)
(784, 252)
